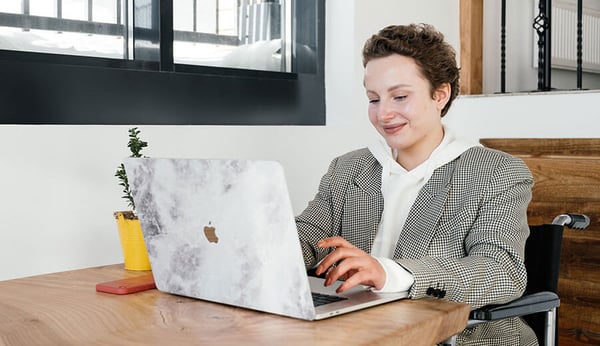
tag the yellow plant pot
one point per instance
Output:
(132, 241)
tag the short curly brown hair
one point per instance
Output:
(422, 42)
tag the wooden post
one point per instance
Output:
(471, 46)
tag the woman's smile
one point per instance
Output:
(393, 128)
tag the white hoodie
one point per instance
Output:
(400, 189)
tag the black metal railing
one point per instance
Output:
(579, 43)
(543, 27)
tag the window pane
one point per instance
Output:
(44, 8)
(74, 9)
(10, 6)
(62, 27)
(183, 11)
(105, 11)
(70, 43)
(231, 33)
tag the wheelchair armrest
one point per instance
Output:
(527, 304)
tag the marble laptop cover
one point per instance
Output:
(224, 231)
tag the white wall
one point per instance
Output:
(58, 192)
(536, 115)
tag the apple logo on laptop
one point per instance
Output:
(210, 233)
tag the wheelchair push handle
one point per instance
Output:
(572, 220)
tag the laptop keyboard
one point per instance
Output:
(322, 299)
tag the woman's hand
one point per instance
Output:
(350, 263)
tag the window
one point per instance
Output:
(106, 62)
(73, 27)
(232, 33)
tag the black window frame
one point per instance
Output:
(38, 88)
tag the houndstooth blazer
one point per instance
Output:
(464, 235)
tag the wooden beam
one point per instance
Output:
(471, 46)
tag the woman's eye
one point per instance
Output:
(373, 101)
(399, 98)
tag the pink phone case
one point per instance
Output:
(127, 286)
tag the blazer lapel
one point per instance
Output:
(366, 205)
(422, 220)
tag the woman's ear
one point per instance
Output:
(441, 95)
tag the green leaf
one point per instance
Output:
(136, 145)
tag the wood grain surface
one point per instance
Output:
(65, 309)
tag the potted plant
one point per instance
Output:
(130, 232)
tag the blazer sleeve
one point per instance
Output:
(316, 221)
(348, 204)
(492, 271)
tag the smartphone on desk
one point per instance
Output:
(128, 285)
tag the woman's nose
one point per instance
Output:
(386, 111)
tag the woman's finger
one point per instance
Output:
(334, 242)
(335, 257)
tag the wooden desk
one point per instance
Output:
(64, 309)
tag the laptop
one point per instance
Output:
(224, 231)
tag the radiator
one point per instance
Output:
(564, 35)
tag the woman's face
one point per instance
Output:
(401, 106)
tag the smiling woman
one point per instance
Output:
(422, 210)
(209, 49)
